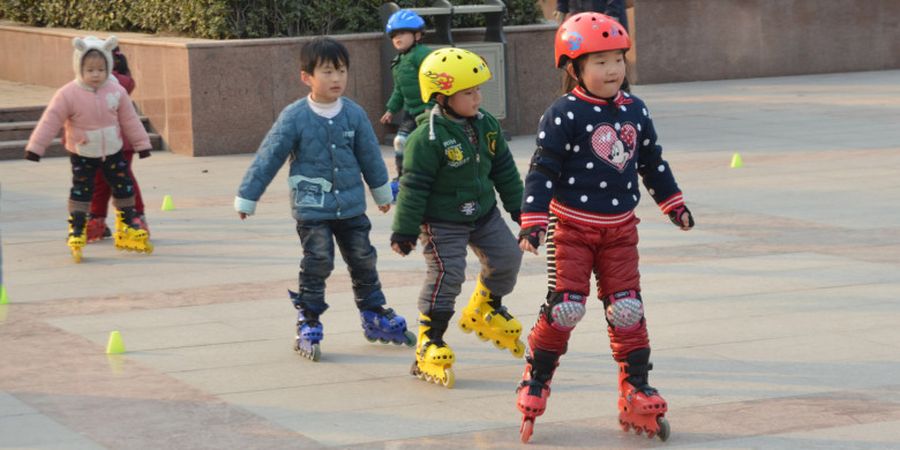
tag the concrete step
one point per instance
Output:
(18, 130)
(16, 149)
(21, 114)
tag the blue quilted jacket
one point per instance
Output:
(329, 158)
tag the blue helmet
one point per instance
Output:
(404, 20)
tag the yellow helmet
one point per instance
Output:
(450, 70)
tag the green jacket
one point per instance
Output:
(449, 179)
(405, 72)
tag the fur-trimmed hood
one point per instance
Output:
(84, 45)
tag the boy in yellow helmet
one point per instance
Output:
(456, 163)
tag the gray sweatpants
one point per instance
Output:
(445, 254)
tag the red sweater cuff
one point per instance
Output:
(671, 203)
(532, 219)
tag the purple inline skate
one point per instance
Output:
(386, 326)
(309, 331)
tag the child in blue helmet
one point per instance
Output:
(405, 29)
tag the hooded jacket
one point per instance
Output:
(95, 120)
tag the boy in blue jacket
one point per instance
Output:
(330, 143)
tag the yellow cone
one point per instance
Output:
(736, 161)
(4, 299)
(115, 345)
(167, 203)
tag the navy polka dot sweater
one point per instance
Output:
(589, 155)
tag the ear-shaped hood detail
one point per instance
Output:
(84, 45)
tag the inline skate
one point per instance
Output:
(434, 358)
(129, 235)
(97, 229)
(384, 325)
(640, 406)
(309, 331)
(77, 232)
(491, 321)
(534, 390)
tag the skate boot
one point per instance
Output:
(309, 331)
(534, 389)
(384, 325)
(77, 238)
(640, 406)
(129, 235)
(97, 229)
(434, 357)
(491, 321)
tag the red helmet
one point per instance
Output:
(588, 32)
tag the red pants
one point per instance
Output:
(574, 251)
(102, 193)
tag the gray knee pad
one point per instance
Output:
(564, 309)
(624, 310)
(399, 143)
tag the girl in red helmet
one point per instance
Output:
(580, 195)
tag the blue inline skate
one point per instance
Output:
(309, 331)
(386, 326)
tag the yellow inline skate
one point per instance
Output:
(491, 321)
(434, 357)
(129, 236)
(77, 234)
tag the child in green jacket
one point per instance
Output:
(405, 28)
(456, 164)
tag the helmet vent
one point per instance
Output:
(474, 70)
(605, 34)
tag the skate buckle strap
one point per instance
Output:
(501, 311)
(638, 369)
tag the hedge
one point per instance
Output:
(230, 19)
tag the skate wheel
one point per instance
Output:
(149, 248)
(371, 339)
(626, 427)
(316, 353)
(664, 429)
(448, 379)
(519, 351)
(76, 255)
(429, 378)
(410, 339)
(526, 429)
(638, 430)
(414, 370)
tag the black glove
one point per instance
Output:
(533, 235)
(517, 216)
(32, 156)
(144, 154)
(405, 242)
(677, 216)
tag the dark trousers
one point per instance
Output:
(352, 237)
(102, 191)
(115, 171)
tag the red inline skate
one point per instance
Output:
(640, 406)
(534, 390)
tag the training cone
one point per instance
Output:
(115, 345)
(167, 203)
(736, 161)
(4, 299)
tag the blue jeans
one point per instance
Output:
(352, 236)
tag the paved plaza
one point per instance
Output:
(775, 323)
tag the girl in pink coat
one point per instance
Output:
(97, 114)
